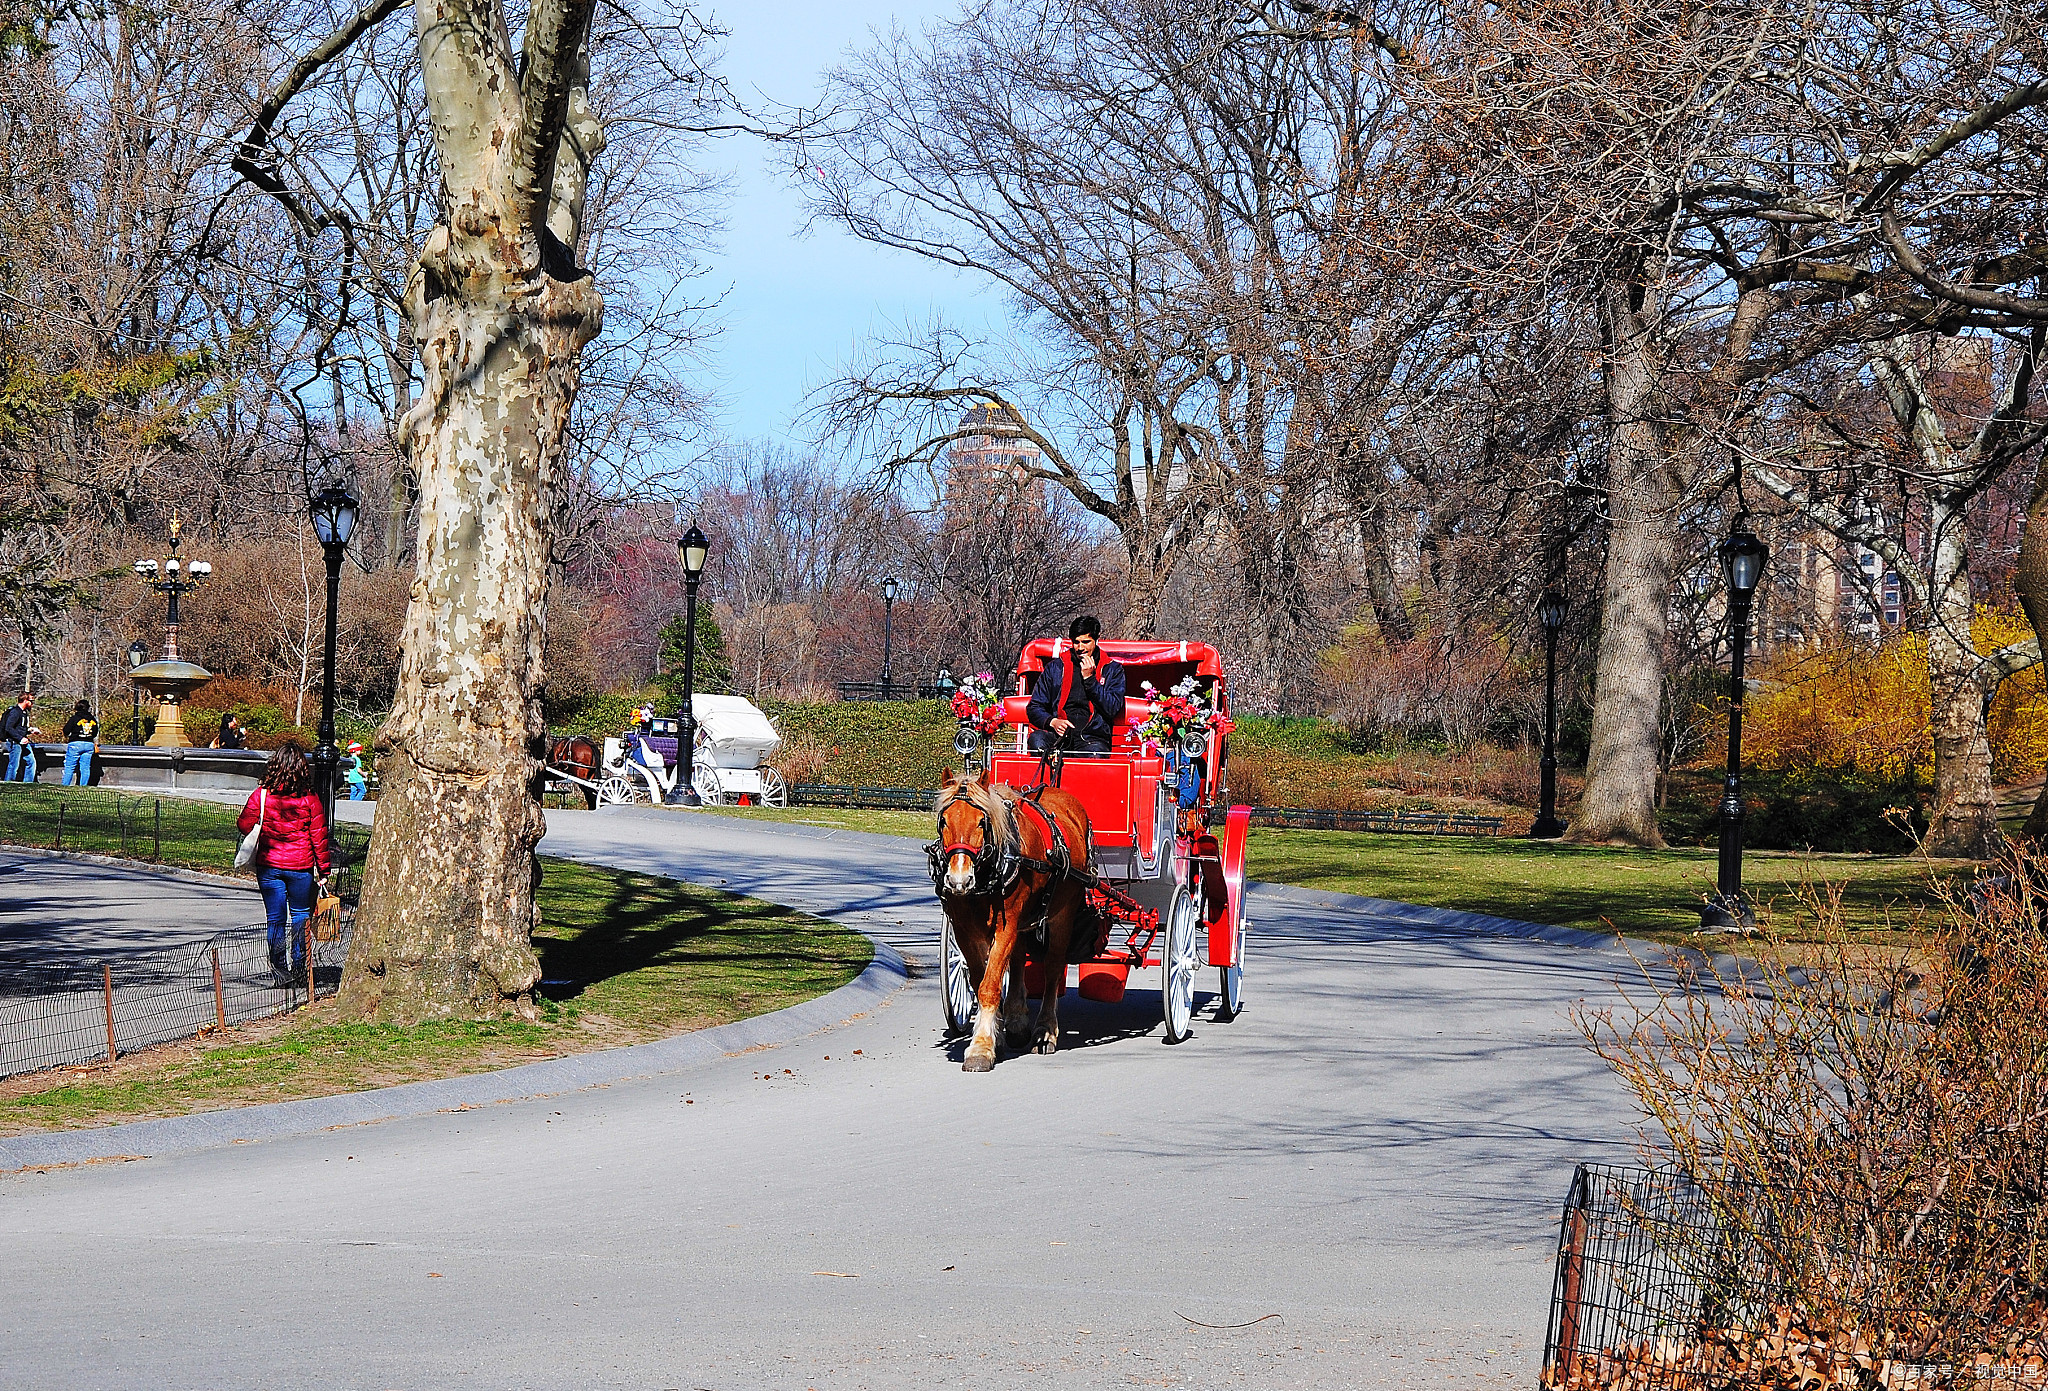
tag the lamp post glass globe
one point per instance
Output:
(334, 512)
(693, 550)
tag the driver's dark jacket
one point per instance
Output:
(1105, 700)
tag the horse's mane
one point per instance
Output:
(989, 802)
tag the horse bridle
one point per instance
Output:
(995, 866)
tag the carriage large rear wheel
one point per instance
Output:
(956, 989)
(1178, 963)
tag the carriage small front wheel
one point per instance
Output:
(614, 791)
(956, 990)
(774, 791)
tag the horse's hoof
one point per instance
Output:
(979, 1062)
(1046, 1045)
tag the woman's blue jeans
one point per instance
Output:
(287, 902)
(78, 763)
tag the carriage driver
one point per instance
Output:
(1079, 698)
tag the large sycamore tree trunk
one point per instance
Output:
(500, 311)
(1619, 803)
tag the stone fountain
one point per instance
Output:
(171, 679)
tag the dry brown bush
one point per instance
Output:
(1873, 1127)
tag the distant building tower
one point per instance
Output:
(996, 453)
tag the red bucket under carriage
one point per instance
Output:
(1172, 891)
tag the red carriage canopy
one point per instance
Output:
(1161, 663)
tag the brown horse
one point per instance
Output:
(1000, 862)
(577, 756)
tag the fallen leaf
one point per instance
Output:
(837, 1274)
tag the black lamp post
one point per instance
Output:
(692, 550)
(334, 521)
(137, 655)
(1742, 561)
(888, 653)
(1551, 609)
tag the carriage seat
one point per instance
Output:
(1016, 712)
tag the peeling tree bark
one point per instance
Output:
(500, 312)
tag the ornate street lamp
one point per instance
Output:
(888, 653)
(1551, 609)
(137, 655)
(334, 521)
(692, 550)
(1742, 562)
(170, 678)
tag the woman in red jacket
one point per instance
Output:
(291, 854)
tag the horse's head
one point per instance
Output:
(976, 836)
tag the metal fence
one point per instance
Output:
(1660, 1287)
(93, 1011)
(892, 690)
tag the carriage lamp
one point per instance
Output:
(334, 510)
(692, 550)
(1550, 611)
(1742, 563)
(889, 587)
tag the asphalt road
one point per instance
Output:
(1364, 1169)
(56, 910)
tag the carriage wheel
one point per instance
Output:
(956, 991)
(1177, 965)
(613, 791)
(1232, 1002)
(704, 778)
(774, 791)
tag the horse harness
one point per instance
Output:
(997, 867)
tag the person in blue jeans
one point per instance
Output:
(291, 855)
(81, 738)
(20, 734)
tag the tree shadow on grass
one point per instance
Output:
(606, 925)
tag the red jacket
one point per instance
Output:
(294, 830)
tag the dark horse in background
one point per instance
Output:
(1003, 860)
(578, 756)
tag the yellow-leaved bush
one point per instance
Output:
(1853, 708)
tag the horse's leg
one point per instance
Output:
(988, 995)
(1017, 1007)
(1062, 922)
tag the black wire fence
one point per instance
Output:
(95, 1011)
(1663, 1286)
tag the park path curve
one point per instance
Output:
(1374, 1153)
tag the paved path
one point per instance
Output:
(58, 909)
(1374, 1152)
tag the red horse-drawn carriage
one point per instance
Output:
(1165, 889)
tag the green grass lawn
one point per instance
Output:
(1642, 893)
(1653, 894)
(632, 957)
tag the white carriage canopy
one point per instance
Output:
(732, 731)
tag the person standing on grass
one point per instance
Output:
(81, 739)
(19, 733)
(291, 855)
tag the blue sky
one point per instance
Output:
(799, 304)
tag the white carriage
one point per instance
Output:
(734, 742)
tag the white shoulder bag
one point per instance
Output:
(246, 851)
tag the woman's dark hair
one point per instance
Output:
(288, 774)
(1090, 625)
(83, 709)
(230, 718)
